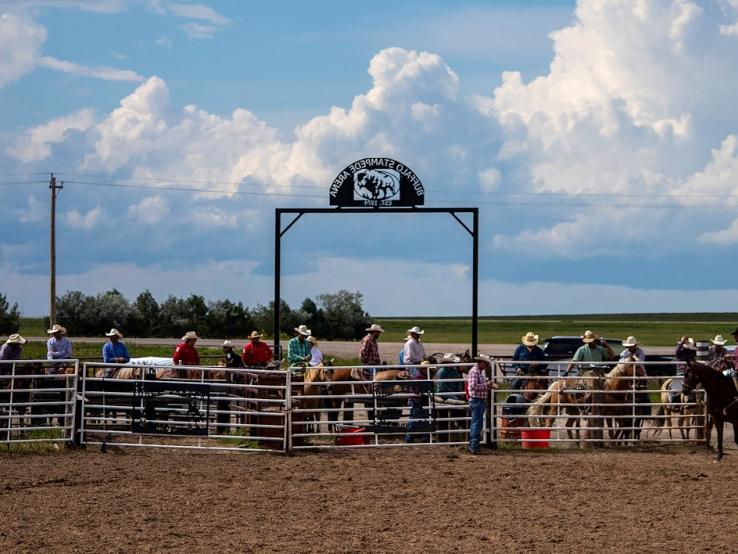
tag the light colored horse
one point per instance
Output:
(686, 412)
(620, 388)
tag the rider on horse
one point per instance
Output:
(531, 352)
(592, 351)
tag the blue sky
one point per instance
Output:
(597, 138)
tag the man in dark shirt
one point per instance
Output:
(528, 351)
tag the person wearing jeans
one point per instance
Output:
(478, 386)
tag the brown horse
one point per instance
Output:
(722, 398)
(622, 387)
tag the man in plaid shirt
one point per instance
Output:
(478, 386)
(369, 349)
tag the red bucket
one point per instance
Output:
(535, 438)
(347, 436)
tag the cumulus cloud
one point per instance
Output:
(213, 218)
(87, 221)
(35, 144)
(149, 211)
(35, 212)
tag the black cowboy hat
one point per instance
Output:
(734, 333)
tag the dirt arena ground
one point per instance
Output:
(389, 500)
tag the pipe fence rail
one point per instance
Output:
(154, 404)
(37, 401)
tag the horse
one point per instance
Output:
(621, 384)
(559, 398)
(722, 398)
(686, 410)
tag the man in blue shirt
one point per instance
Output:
(115, 352)
(528, 351)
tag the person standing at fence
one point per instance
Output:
(298, 350)
(685, 353)
(114, 351)
(13, 348)
(58, 347)
(413, 354)
(632, 350)
(256, 353)
(478, 387)
(369, 350)
(186, 353)
(528, 351)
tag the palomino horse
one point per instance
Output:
(722, 398)
(686, 410)
(621, 385)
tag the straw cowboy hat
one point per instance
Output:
(227, 344)
(190, 335)
(719, 340)
(417, 330)
(375, 328)
(530, 339)
(15, 338)
(254, 335)
(312, 340)
(303, 330)
(56, 328)
(589, 336)
(114, 332)
(630, 341)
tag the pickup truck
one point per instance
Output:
(563, 347)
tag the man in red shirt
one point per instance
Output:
(186, 354)
(256, 353)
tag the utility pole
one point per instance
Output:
(52, 300)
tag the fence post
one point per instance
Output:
(288, 412)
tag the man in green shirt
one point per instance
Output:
(593, 350)
(298, 350)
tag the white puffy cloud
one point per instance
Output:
(197, 11)
(149, 211)
(213, 218)
(87, 221)
(725, 237)
(21, 40)
(37, 211)
(35, 144)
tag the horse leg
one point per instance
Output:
(719, 428)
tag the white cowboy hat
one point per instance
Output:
(190, 335)
(114, 332)
(630, 341)
(417, 330)
(530, 339)
(589, 336)
(15, 338)
(227, 343)
(482, 358)
(312, 340)
(303, 330)
(451, 357)
(56, 328)
(689, 344)
(719, 340)
(254, 335)
(375, 327)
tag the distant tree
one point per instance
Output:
(106, 310)
(345, 317)
(9, 317)
(263, 317)
(197, 314)
(146, 315)
(173, 317)
(71, 309)
(314, 317)
(228, 320)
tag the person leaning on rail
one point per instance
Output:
(717, 351)
(186, 353)
(478, 387)
(685, 353)
(632, 350)
(369, 350)
(58, 347)
(593, 350)
(256, 353)
(114, 352)
(232, 359)
(12, 349)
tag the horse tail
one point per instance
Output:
(535, 410)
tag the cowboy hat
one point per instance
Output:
(15, 338)
(56, 328)
(312, 340)
(689, 344)
(303, 330)
(588, 337)
(719, 340)
(254, 335)
(190, 335)
(630, 341)
(227, 344)
(114, 332)
(530, 339)
(417, 330)
(451, 357)
(482, 358)
(375, 328)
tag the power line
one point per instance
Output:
(192, 189)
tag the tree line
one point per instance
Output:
(329, 316)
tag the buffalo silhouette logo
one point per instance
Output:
(376, 184)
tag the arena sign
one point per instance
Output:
(376, 183)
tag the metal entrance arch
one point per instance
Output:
(299, 212)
